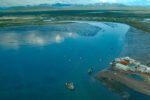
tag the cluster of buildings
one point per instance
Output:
(129, 64)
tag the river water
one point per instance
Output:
(36, 61)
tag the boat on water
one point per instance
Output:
(70, 86)
(90, 71)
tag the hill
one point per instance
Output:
(60, 6)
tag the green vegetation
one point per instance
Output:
(137, 18)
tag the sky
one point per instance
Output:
(9, 3)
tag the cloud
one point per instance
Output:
(15, 40)
(112, 1)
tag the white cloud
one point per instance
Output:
(112, 1)
(15, 40)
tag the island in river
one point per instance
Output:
(129, 73)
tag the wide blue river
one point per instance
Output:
(36, 61)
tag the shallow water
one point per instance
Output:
(36, 61)
(136, 77)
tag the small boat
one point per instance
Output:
(70, 86)
(90, 71)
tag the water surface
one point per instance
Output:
(36, 61)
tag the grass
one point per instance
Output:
(133, 18)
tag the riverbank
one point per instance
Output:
(129, 72)
(140, 86)
(135, 19)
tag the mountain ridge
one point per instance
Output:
(65, 6)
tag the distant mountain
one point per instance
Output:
(41, 5)
(105, 5)
(62, 6)
(108, 4)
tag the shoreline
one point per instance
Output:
(138, 86)
(136, 20)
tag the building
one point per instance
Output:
(129, 64)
